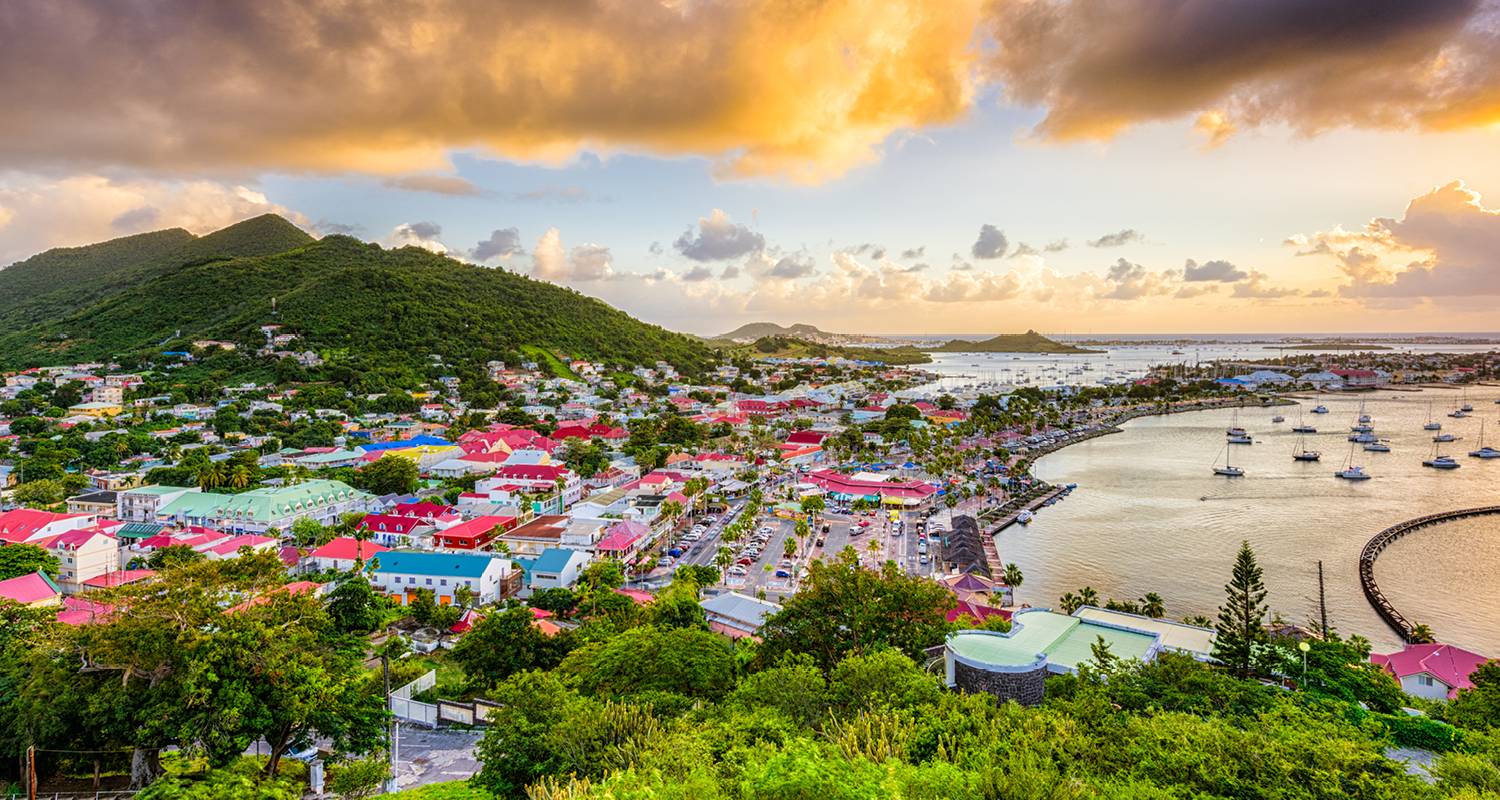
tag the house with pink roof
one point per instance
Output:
(1431, 671)
(35, 590)
(82, 554)
(25, 524)
(341, 554)
(229, 547)
(623, 540)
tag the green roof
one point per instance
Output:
(1065, 641)
(138, 530)
(266, 504)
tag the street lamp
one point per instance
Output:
(1304, 647)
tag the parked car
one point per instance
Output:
(781, 573)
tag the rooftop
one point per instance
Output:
(1065, 641)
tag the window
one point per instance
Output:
(1424, 680)
(429, 581)
(443, 582)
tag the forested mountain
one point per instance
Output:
(65, 279)
(356, 303)
(1028, 342)
(792, 347)
(758, 330)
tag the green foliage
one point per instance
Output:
(683, 661)
(242, 779)
(23, 559)
(388, 475)
(40, 493)
(359, 778)
(843, 608)
(172, 555)
(385, 311)
(354, 606)
(1241, 626)
(506, 642)
(1028, 342)
(1479, 707)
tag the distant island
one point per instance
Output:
(1330, 346)
(1028, 342)
(751, 331)
(793, 347)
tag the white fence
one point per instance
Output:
(412, 710)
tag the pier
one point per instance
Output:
(1381, 541)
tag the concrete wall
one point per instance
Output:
(1025, 687)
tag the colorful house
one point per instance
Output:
(1431, 671)
(400, 573)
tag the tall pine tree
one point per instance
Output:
(1242, 618)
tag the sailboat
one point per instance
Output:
(1351, 472)
(1432, 424)
(1227, 470)
(1304, 454)
(1377, 447)
(1303, 427)
(1364, 419)
(1467, 406)
(1320, 408)
(1484, 450)
(1440, 461)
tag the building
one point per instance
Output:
(342, 553)
(555, 568)
(82, 555)
(35, 590)
(260, 510)
(99, 501)
(1014, 665)
(141, 503)
(736, 615)
(400, 573)
(475, 534)
(27, 524)
(1431, 671)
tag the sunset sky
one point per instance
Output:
(864, 165)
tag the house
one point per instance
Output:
(35, 590)
(474, 534)
(260, 510)
(26, 524)
(1358, 378)
(141, 503)
(737, 615)
(100, 501)
(624, 540)
(555, 568)
(341, 554)
(82, 555)
(399, 573)
(1431, 671)
(393, 529)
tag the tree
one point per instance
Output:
(360, 778)
(788, 547)
(504, 643)
(1069, 603)
(843, 608)
(1241, 625)
(813, 505)
(1087, 596)
(558, 600)
(308, 532)
(1013, 578)
(388, 475)
(682, 661)
(354, 606)
(172, 555)
(23, 559)
(39, 493)
(1421, 634)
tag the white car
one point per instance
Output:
(737, 570)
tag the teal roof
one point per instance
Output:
(138, 530)
(1065, 641)
(414, 562)
(553, 560)
(266, 504)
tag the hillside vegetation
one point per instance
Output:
(758, 330)
(65, 279)
(1028, 342)
(791, 347)
(363, 305)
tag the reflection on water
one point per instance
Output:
(1149, 515)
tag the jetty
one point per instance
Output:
(1382, 540)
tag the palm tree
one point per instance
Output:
(1421, 634)
(1088, 596)
(1070, 602)
(1152, 606)
(1013, 578)
(724, 558)
(239, 476)
(788, 547)
(210, 476)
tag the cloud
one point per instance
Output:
(503, 243)
(1023, 249)
(38, 213)
(549, 261)
(1056, 246)
(656, 249)
(698, 273)
(761, 87)
(874, 251)
(436, 184)
(590, 262)
(1118, 238)
(718, 239)
(1099, 67)
(792, 267)
(325, 227)
(915, 252)
(1258, 287)
(585, 263)
(559, 194)
(990, 244)
(1221, 271)
(983, 287)
(730, 273)
(1130, 281)
(418, 234)
(1445, 245)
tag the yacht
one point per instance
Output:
(1439, 461)
(1024, 517)
(1225, 469)
(1235, 431)
(1351, 472)
(1363, 427)
(1304, 454)
(1239, 438)
(1377, 447)
(1299, 428)
(1278, 418)
(1484, 450)
(1467, 406)
(1445, 437)
(1458, 413)
(1432, 424)
(1321, 409)
(1364, 437)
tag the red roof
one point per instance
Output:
(476, 528)
(28, 589)
(119, 577)
(622, 536)
(390, 523)
(640, 597)
(1447, 663)
(575, 431)
(20, 524)
(806, 437)
(423, 510)
(533, 472)
(345, 548)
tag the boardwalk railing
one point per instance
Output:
(1382, 540)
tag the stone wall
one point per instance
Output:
(1025, 688)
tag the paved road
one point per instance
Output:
(435, 756)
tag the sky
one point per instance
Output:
(880, 166)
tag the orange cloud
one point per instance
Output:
(803, 89)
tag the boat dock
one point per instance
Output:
(1382, 540)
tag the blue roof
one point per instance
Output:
(415, 441)
(412, 562)
(553, 560)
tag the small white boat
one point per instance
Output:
(1025, 517)
(1234, 431)
(1377, 447)
(1243, 438)
(1484, 450)
(1320, 410)
(1306, 455)
(1363, 438)
(1445, 437)
(1364, 418)
(1441, 462)
(1458, 413)
(1362, 427)
(1304, 429)
(1352, 474)
(1278, 418)
(1225, 469)
(1432, 424)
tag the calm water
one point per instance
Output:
(1149, 515)
(1115, 365)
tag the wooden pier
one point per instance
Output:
(1382, 540)
(991, 553)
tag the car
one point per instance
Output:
(664, 561)
(736, 570)
(744, 561)
(785, 562)
(781, 573)
(922, 559)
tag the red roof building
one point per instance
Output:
(1435, 671)
(474, 534)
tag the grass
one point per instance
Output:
(450, 678)
(454, 790)
(549, 359)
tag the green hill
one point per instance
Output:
(370, 308)
(1028, 342)
(758, 330)
(65, 279)
(791, 347)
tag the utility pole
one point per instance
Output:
(31, 772)
(1322, 602)
(395, 726)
